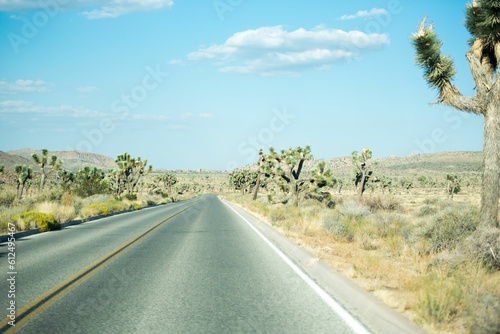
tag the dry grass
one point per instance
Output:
(63, 213)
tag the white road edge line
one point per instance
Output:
(355, 325)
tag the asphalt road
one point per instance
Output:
(190, 267)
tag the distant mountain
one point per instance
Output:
(71, 160)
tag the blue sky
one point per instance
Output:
(191, 85)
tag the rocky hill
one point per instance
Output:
(72, 160)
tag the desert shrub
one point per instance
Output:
(278, 215)
(366, 240)
(97, 199)
(426, 210)
(94, 209)
(7, 197)
(484, 246)
(63, 213)
(6, 217)
(44, 221)
(131, 197)
(337, 228)
(135, 206)
(441, 298)
(51, 194)
(115, 205)
(379, 202)
(485, 314)
(68, 199)
(450, 227)
(430, 201)
(353, 210)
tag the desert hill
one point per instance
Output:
(72, 160)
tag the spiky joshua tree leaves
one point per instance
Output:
(243, 180)
(483, 23)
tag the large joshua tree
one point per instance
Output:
(483, 23)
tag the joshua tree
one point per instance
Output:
(321, 178)
(43, 162)
(67, 178)
(168, 179)
(483, 23)
(90, 181)
(453, 184)
(130, 171)
(243, 180)
(24, 175)
(265, 167)
(362, 169)
(289, 165)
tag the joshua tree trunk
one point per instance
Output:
(257, 186)
(491, 163)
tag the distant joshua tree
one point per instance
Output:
(362, 169)
(43, 162)
(483, 23)
(24, 176)
(130, 171)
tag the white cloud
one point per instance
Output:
(273, 50)
(115, 8)
(364, 14)
(21, 106)
(205, 115)
(86, 91)
(176, 62)
(22, 86)
(92, 9)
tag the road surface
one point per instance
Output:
(189, 267)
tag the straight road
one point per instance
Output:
(190, 267)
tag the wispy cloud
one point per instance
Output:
(23, 107)
(364, 14)
(115, 8)
(176, 62)
(86, 91)
(92, 9)
(189, 116)
(22, 87)
(274, 50)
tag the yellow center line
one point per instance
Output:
(26, 313)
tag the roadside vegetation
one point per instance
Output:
(407, 240)
(45, 195)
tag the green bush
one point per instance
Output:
(44, 221)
